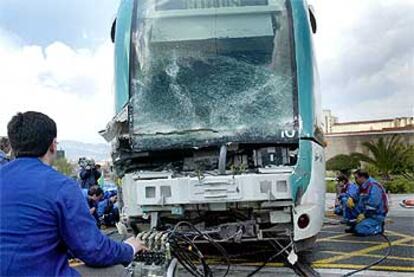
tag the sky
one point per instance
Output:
(56, 57)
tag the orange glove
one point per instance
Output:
(350, 203)
(360, 217)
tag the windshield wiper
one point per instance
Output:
(182, 132)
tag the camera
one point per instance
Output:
(86, 163)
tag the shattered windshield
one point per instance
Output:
(211, 71)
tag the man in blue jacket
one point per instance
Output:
(93, 196)
(347, 198)
(372, 206)
(108, 210)
(43, 214)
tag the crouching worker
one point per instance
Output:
(372, 206)
(347, 198)
(93, 197)
(43, 214)
(108, 210)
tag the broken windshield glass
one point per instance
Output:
(222, 74)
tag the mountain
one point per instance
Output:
(76, 149)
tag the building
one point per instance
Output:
(328, 121)
(348, 137)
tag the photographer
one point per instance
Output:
(89, 174)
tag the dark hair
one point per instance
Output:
(342, 178)
(4, 144)
(361, 173)
(31, 134)
(95, 190)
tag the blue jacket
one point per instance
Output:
(373, 202)
(91, 204)
(43, 214)
(349, 190)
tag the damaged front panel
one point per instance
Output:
(213, 126)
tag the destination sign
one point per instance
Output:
(165, 5)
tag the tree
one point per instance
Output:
(387, 155)
(63, 166)
(407, 165)
(343, 163)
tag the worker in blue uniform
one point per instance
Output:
(43, 214)
(93, 196)
(372, 206)
(347, 198)
(108, 210)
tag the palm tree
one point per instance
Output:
(408, 164)
(388, 155)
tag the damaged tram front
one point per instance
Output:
(217, 117)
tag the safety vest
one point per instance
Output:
(384, 196)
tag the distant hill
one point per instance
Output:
(75, 149)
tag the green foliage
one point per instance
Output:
(343, 163)
(331, 186)
(387, 155)
(63, 166)
(407, 166)
(372, 170)
(399, 184)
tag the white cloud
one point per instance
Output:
(72, 86)
(366, 57)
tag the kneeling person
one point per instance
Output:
(347, 198)
(94, 196)
(108, 211)
(372, 206)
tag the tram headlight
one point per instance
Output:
(303, 221)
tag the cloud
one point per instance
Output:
(366, 57)
(77, 23)
(73, 86)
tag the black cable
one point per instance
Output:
(183, 255)
(376, 262)
(207, 271)
(269, 260)
(184, 252)
(188, 265)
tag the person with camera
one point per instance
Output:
(89, 175)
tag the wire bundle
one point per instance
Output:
(188, 254)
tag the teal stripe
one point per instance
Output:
(304, 66)
(122, 49)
